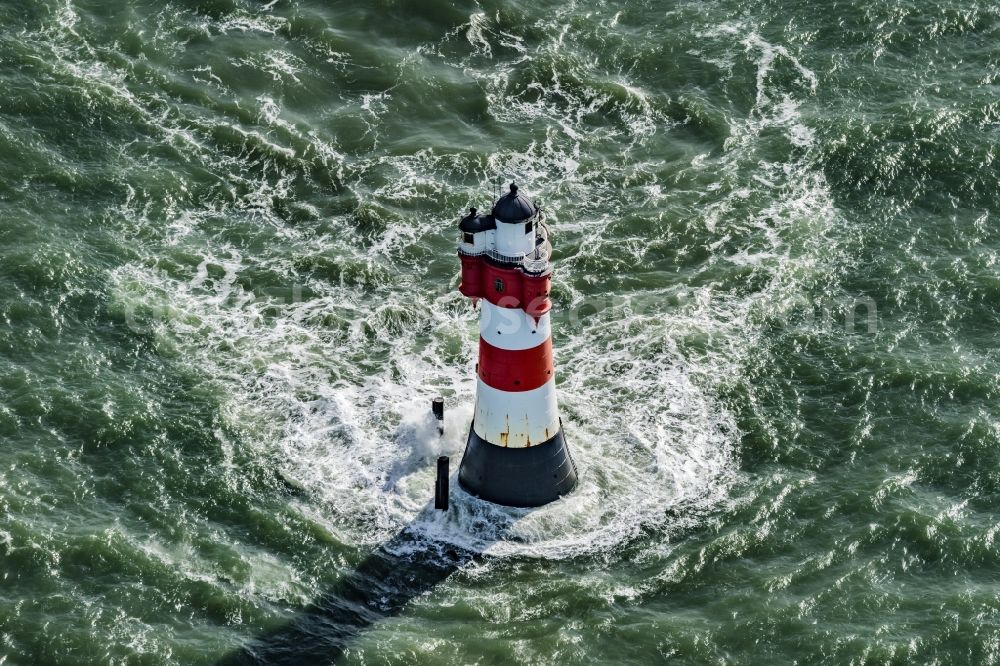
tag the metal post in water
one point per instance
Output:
(441, 486)
(437, 406)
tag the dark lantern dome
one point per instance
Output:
(514, 207)
(474, 223)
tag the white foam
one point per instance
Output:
(362, 442)
(477, 34)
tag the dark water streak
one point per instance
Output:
(407, 566)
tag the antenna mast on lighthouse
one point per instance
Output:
(516, 454)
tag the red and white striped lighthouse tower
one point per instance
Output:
(516, 454)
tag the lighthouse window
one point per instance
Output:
(468, 238)
(527, 227)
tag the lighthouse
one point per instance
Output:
(516, 454)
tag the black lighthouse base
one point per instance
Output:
(522, 476)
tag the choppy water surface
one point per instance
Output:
(227, 295)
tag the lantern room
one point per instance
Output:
(505, 255)
(514, 215)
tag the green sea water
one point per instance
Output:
(228, 293)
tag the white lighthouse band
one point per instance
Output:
(516, 419)
(516, 453)
(512, 328)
